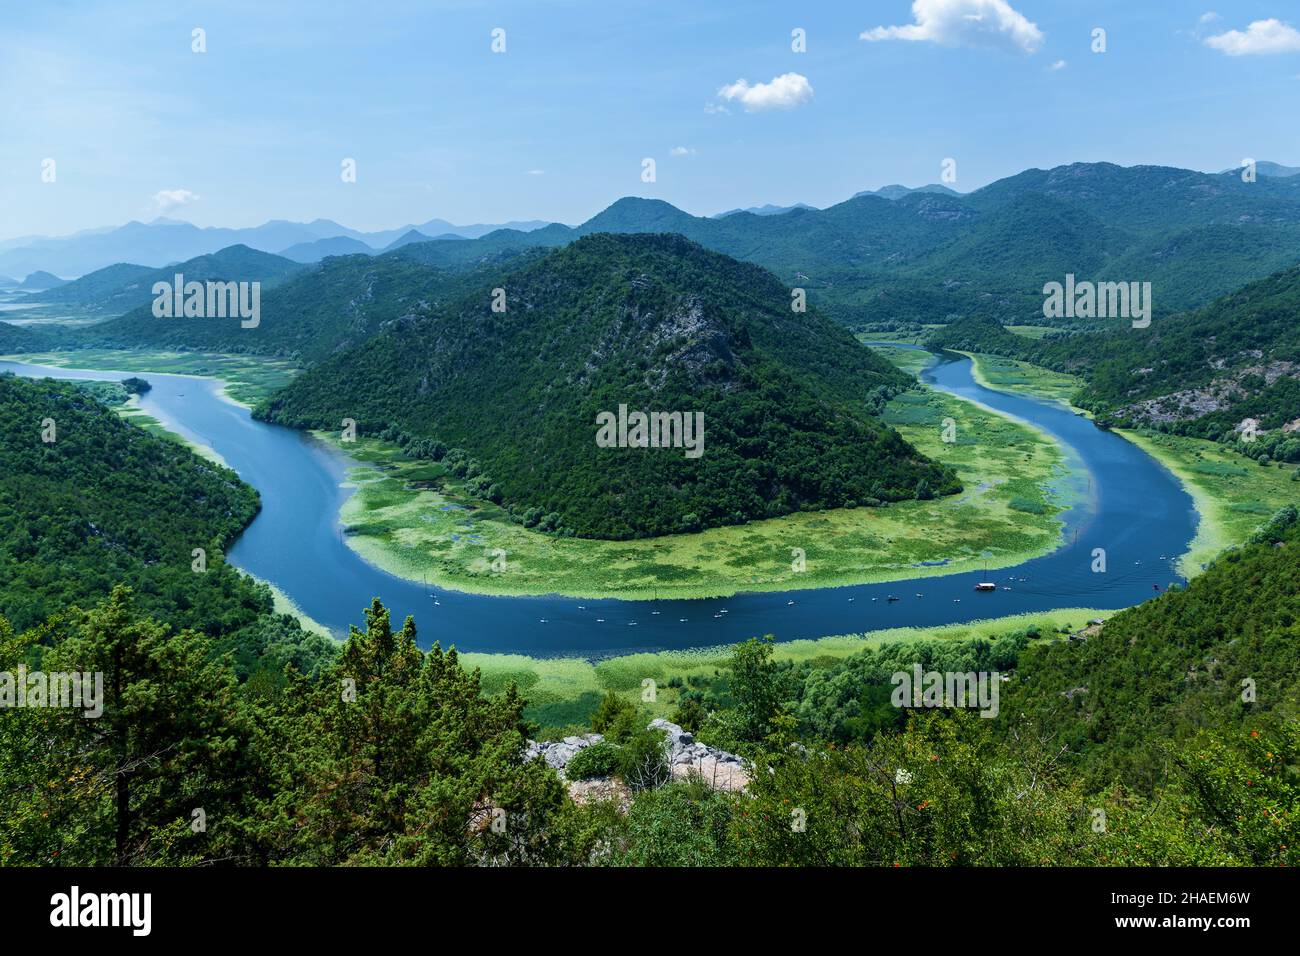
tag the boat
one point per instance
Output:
(986, 586)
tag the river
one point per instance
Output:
(1129, 504)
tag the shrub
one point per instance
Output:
(643, 762)
(601, 759)
(611, 717)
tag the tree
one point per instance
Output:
(395, 756)
(754, 688)
(123, 788)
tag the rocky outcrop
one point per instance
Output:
(557, 754)
(687, 757)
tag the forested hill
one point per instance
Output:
(1224, 649)
(106, 503)
(1200, 373)
(119, 288)
(316, 312)
(653, 322)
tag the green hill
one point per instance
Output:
(1165, 669)
(1199, 373)
(654, 323)
(308, 314)
(106, 503)
(119, 288)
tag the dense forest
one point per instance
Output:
(88, 501)
(653, 323)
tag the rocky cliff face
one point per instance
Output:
(686, 756)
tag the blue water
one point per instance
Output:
(1124, 502)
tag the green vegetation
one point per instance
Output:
(653, 324)
(248, 380)
(1178, 719)
(393, 756)
(104, 502)
(312, 313)
(565, 693)
(1009, 375)
(876, 263)
(123, 287)
(1202, 374)
(413, 518)
(1224, 650)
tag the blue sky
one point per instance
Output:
(556, 127)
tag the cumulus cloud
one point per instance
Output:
(165, 199)
(1261, 37)
(681, 151)
(1058, 65)
(784, 92)
(988, 23)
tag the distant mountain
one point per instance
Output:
(114, 288)
(461, 253)
(164, 240)
(438, 228)
(765, 210)
(653, 323)
(41, 280)
(898, 192)
(409, 237)
(8, 283)
(118, 288)
(1265, 168)
(931, 255)
(310, 313)
(334, 246)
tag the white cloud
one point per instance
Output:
(681, 151)
(1262, 36)
(165, 199)
(715, 108)
(536, 172)
(784, 92)
(990, 23)
(1058, 65)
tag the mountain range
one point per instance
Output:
(163, 241)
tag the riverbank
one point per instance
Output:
(413, 520)
(563, 692)
(1232, 494)
(245, 380)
